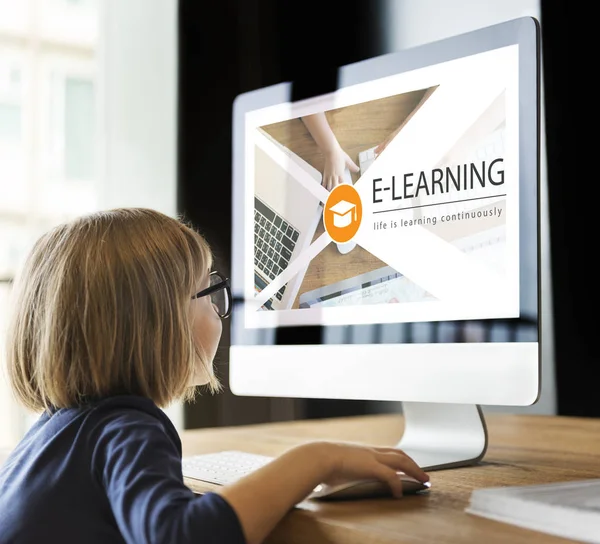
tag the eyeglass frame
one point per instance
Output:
(223, 284)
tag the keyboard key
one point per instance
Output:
(282, 263)
(278, 221)
(288, 243)
(295, 235)
(289, 230)
(279, 235)
(285, 254)
(284, 226)
(280, 293)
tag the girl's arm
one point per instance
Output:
(138, 470)
(262, 498)
(319, 129)
(136, 459)
(336, 159)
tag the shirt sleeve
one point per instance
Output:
(140, 469)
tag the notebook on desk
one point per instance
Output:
(565, 509)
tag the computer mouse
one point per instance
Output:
(367, 489)
(346, 247)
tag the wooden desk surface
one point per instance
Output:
(356, 128)
(523, 450)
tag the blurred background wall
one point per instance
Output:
(88, 121)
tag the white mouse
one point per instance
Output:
(346, 247)
(367, 489)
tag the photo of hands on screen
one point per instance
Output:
(400, 201)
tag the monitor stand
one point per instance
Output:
(440, 435)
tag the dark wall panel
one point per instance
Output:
(233, 46)
(572, 200)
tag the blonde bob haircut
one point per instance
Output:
(101, 307)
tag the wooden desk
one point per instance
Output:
(356, 128)
(523, 450)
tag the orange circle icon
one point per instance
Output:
(342, 213)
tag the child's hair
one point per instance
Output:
(101, 307)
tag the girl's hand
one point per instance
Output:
(336, 162)
(355, 462)
(264, 496)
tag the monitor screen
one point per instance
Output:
(402, 208)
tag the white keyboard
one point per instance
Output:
(365, 159)
(224, 467)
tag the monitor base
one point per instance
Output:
(443, 435)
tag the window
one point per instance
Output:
(48, 83)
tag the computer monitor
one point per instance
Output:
(416, 279)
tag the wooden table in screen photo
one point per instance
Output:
(357, 128)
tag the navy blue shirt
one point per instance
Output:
(108, 472)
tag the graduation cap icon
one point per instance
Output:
(344, 213)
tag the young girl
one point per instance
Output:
(115, 315)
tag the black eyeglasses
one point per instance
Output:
(220, 294)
